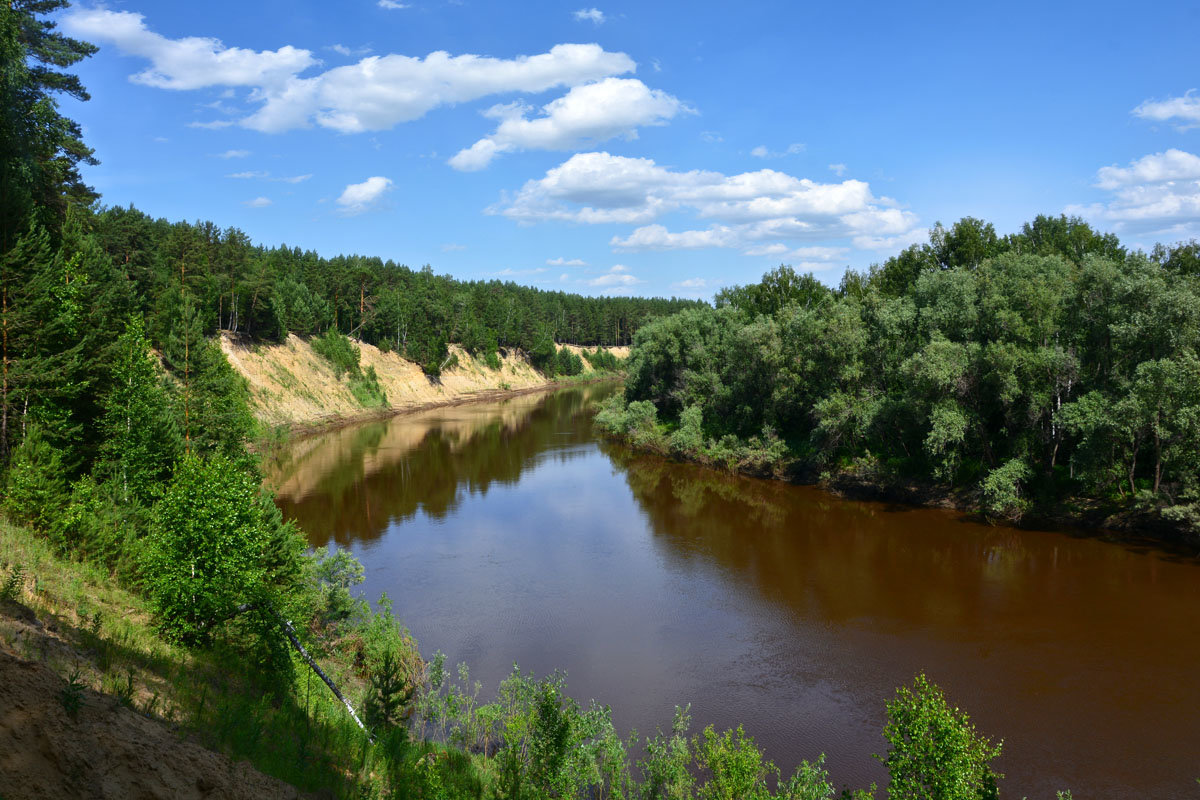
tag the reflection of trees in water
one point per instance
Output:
(836, 560)
(360, 480)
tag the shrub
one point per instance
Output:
(339, 351)
(203, 556)
(688, 438)
(935, 752)
(1002, 488)
(36, 490)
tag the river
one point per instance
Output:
(509, 533)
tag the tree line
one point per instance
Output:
(1050, 368)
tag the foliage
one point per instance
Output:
(140, 439)
(206, 552)
(388, 696)
(339, 351)
(35, 489)
(934, 751)
(11, 588)
(1038, 369)
(71, 695)
(336, 572)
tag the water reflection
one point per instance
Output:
(506, 533)
(351, 484)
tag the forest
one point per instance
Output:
(1051, 369)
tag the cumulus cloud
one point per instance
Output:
(391, 5)
(618, 276)
(1173, 165)
(376, 93)
(594, 112)
(1156, 194)
(373, 94)
(258, 202)
(743, 210)
(690, 283)
(233, 154)
(564, 262)
(1183, 111)
(593, 15)
(192, 62)
(838, 169)
(360, 197)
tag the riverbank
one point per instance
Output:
(97, 703)
(297, 392)
(637, 426)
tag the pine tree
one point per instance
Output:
(141, 440)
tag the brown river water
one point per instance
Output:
(509, 533)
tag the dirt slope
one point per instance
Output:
(291, 385)
(106, 750)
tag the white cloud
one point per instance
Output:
(1157, 194)
(712, 137)
(453, 248)
(657, 237)
(762, 151)
(1173, 165)
(359, 197)
(233, 154)
(594, 112)
(376, 93)
(192, 62)
(743, 210)
(343, 50)
(258, 202)
(266, 176)
(391, 5)
(215, 124)
(1185, 111)
(381, 91)
(838, 169)
(593, 15)
(690, 283)
(563, 262)
(617, 276)
(807, 254)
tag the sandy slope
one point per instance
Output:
(106, 750)
(291, 385)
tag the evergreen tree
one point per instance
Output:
(141, 439)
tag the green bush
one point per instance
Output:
(1002, 488)
(934, 751)
(339, 351)
(36, 490)
(205, 552)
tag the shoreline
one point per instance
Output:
(314, 427)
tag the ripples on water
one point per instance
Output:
(506, 532)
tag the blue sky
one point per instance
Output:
(641, 148)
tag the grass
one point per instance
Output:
(105, 640)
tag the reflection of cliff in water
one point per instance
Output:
(350, 484)
(824, 558)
